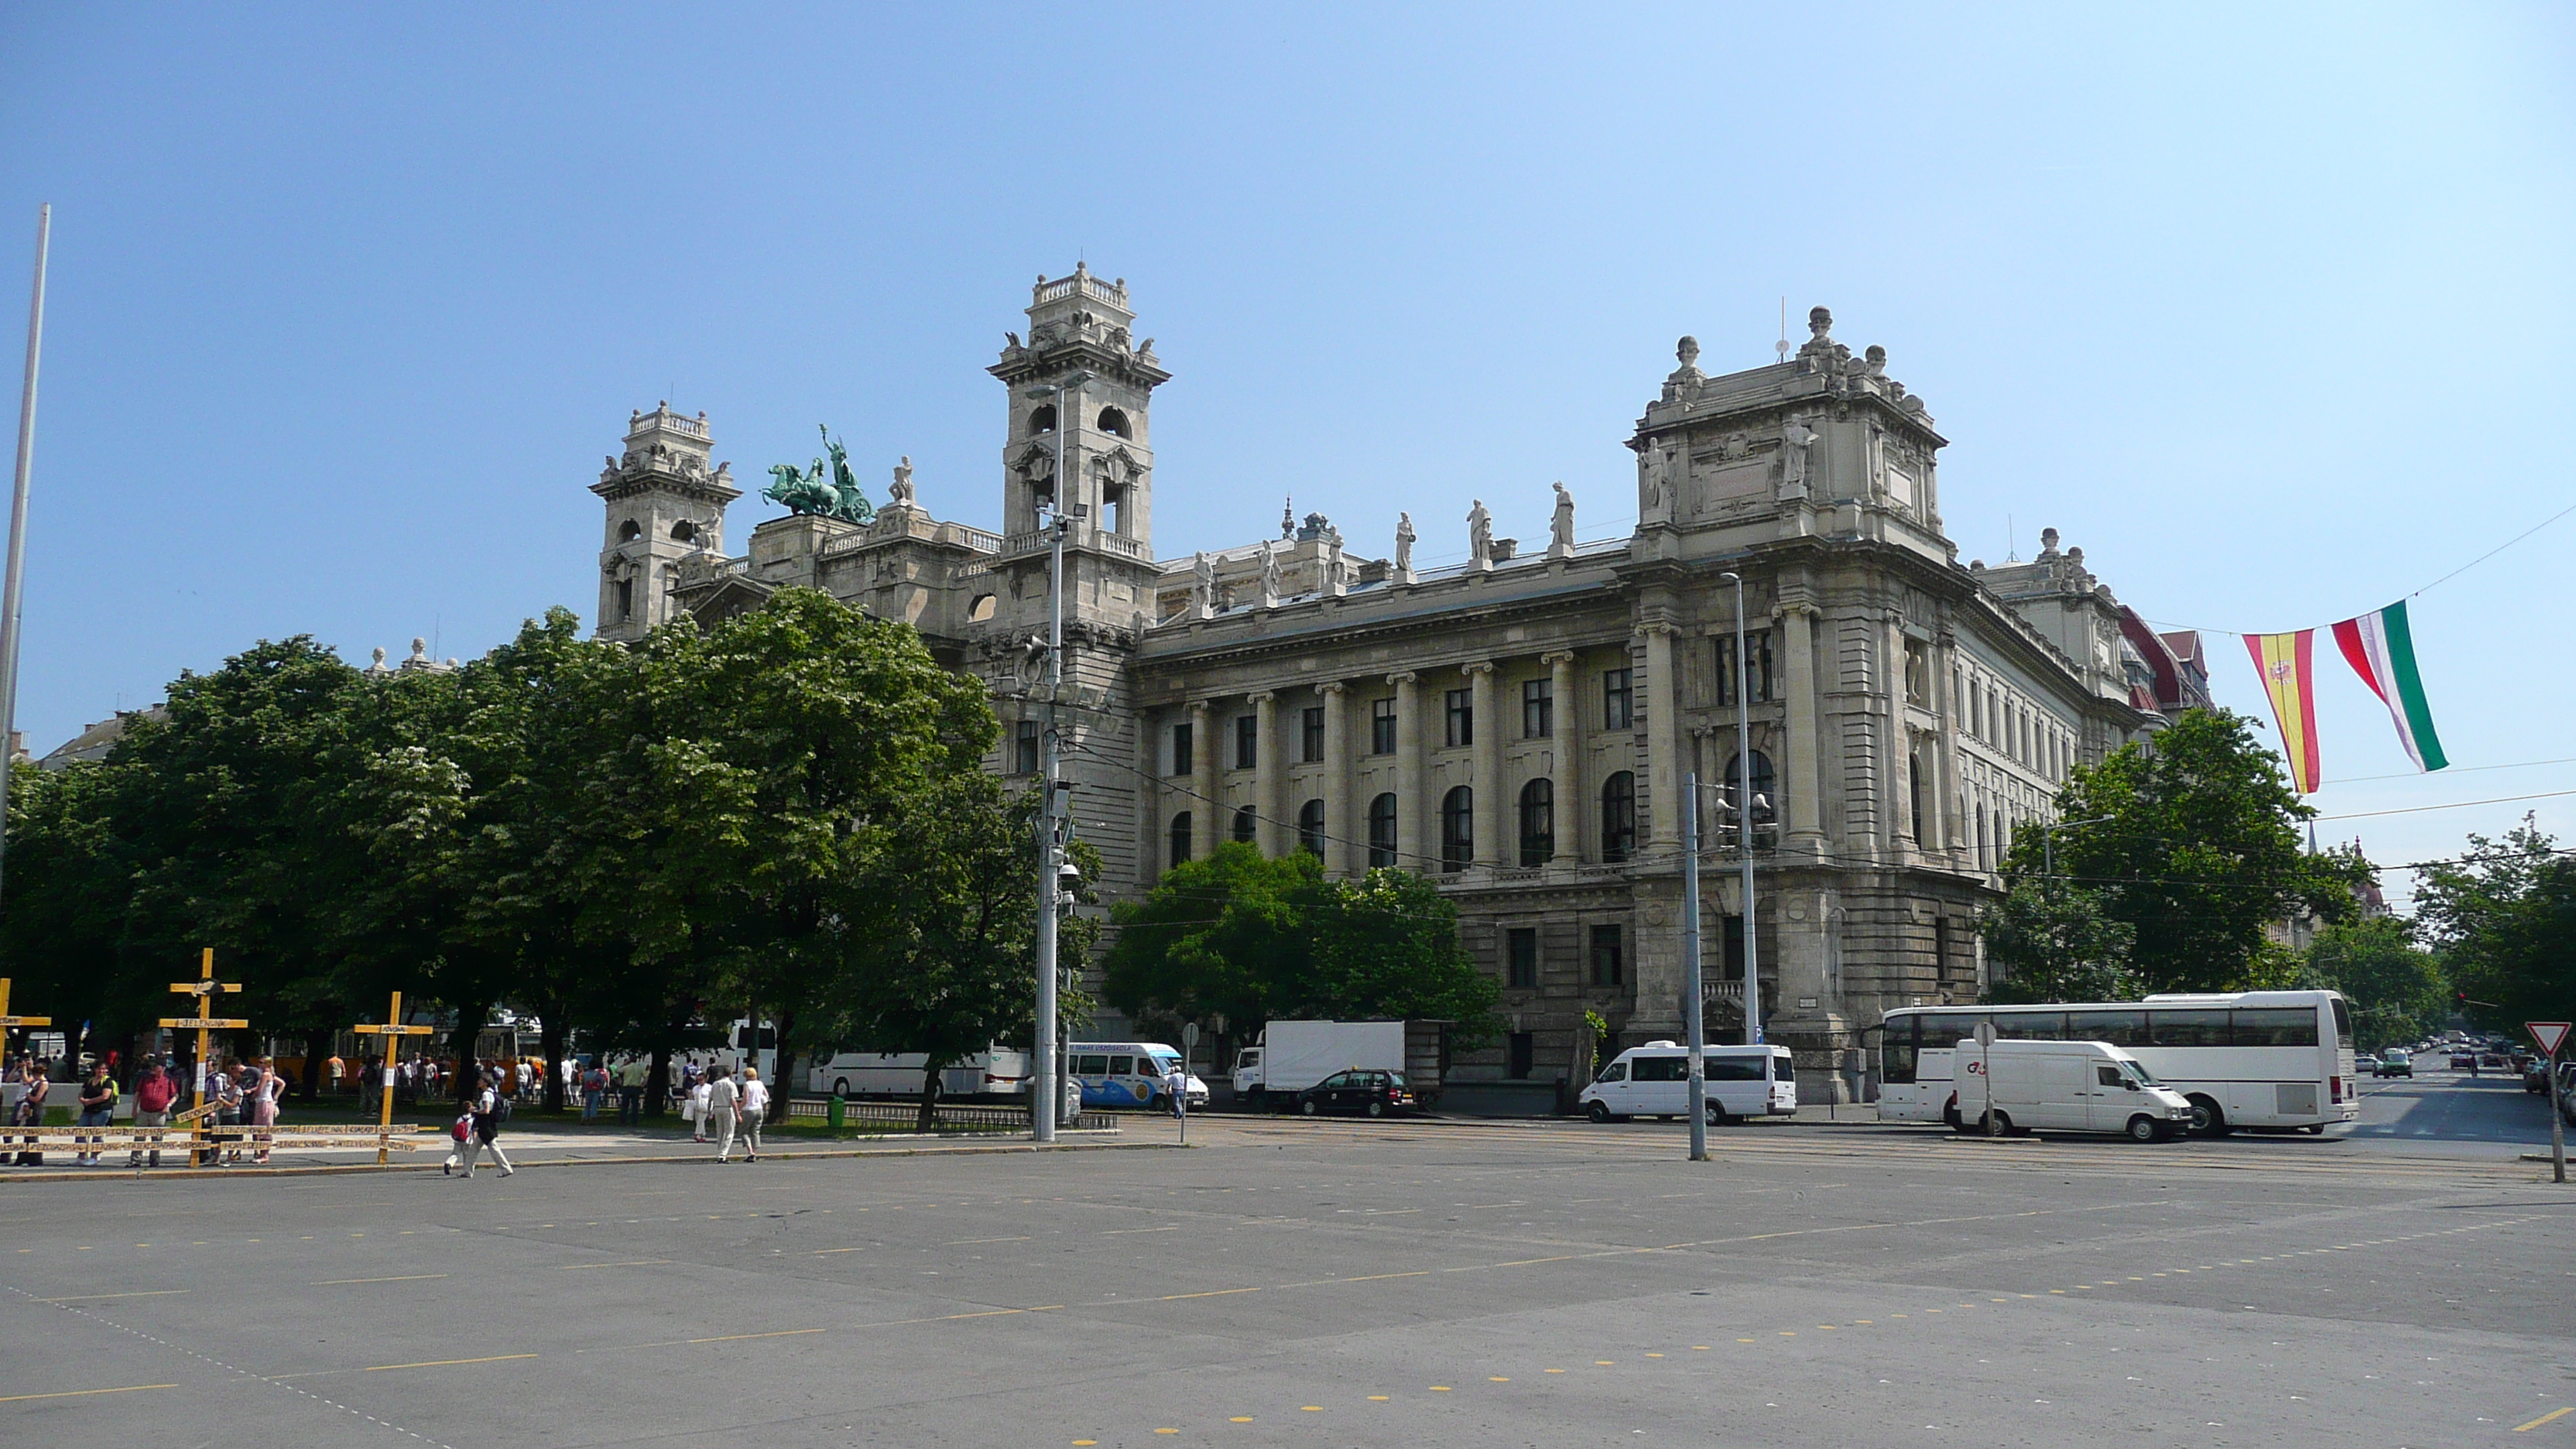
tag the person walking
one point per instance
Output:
(482, 1126)
(594, 1090)
(260, 1094)
(34, 1086)
(631, 1074)
(338, 1070)
(755, 1109)
(155, 1092)
(724, 1103)
(1176, 1087)
(97, 1105)
(696, 1110)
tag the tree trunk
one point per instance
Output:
(929, 1117)
(786, 1066)
(657, 1083)
(551, 1046)
(469, 1027)
(312, 1073)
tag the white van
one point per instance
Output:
(2066, 1086)
(1654, 1081)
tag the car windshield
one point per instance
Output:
(2144, 1077)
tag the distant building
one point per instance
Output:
(94, 742)
(1518, 726)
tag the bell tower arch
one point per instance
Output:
(1081, 388)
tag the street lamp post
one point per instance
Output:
(1044, 1092)
(1694, 1017)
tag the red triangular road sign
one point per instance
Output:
(2548, 1033)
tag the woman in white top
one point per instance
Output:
(755, 1106)
(697, 1110)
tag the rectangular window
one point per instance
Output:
(1381, 727)
(1247, 741)
(1757, 663)
(1609, 966)
(2276, 1026)
(1522, 969)
(1462, 718)
(1524, 1056)
(1091, 1064)
(1733, 968)
(1312, 744)
(1538, 709)
(2119, 1028)
(2187, 1028)
(1661, 1069)
(1182, 761)
(1618, 701)
(1024, 748)
(1918, 674)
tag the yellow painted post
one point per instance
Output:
(393, 1031)
(10, 1023)
(200, 991)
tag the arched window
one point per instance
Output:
(684, 531)
(1458, 829)
(1180, 838)
(1310, 827)
(1042, 420)
(1538, 822)
(980, 609)
(1244, 824)
(1915, 768)
(1114, 423)
(629, 531)
(1766, 787)
(1381, 828)
(1985, 855)
(624, 591)
(1618, 817)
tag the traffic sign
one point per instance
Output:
(2548, 1033)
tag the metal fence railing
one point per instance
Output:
(901, 1116)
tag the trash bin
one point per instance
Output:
(837, 1113)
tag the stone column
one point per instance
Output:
(1663, 723)
(1207, 813)
(1565, 712)
(1485, 766)
(1899, 772)
(1277, 833)
(1410, 808)
(1805, 743)
(1954, 826)
(1345, 826)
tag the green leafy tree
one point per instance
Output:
(2503, 920)
(2193, 836)
(1386, 945)
(2055, 942)
(2397, 990)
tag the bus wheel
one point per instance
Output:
(2316, 1129)
(1598, 1112)
(2143, 1128)
(2207, 1120)
(840, 1086)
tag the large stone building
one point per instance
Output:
(1518, 727)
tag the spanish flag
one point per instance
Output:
(2286, 663)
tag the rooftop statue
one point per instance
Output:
(819, 494)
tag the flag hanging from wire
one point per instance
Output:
(2287, 664)
(2381, 649)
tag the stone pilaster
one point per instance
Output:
(1663, 722)
(1207, 812)
(1954, 830)
(1487, 766)
(1410, 808)
(1802, 743)
(1565, 713)
(1345, 829)
(1277, 833)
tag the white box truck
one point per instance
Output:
(1291, 1056)
(2065, 1086)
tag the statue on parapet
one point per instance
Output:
(900, 495)
(1560, 528)
(1480, 538)
(821, 491)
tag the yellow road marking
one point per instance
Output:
(447, 1362)
(1439, 1388)
(1122, 1232)
(94, 1297)
(779, 1333)
(399, 1278)
(1318, 1408)
(139, 1388)
(1373, 1277)
(1496, 1379)
(2545, 1418)
(1211, 1293)
(970, 1242)
(1240, 1419)
(627, 1263)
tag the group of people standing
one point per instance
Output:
(720, 1105)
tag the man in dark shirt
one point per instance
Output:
(97, 1105)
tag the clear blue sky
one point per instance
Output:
(2257, 304)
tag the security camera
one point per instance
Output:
(1068, 876)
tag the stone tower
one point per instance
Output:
(1079, 399)
(664, 506)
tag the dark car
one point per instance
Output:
(1370, 1093)
(2535, 1077)
(2394, 1063)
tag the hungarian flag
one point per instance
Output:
(2286, 662)
(2382, 651)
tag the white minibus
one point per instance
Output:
(1654, 1081)
(1128, 1073)
(2254, 1059)
(2065, 1086)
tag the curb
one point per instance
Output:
(333, 1169)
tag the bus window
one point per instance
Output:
(1618, 1072)
(1896, 1059)
(2343, 1023)
(2275, 1026)
(1122, 1066)
(1666, 1069)
(1734, 1069)
(1091, 1064)
(2119, 1028)
(2188, 1028)
(2029, 1025)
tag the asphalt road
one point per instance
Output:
(1300, 1283)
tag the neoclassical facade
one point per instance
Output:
(1519, 727)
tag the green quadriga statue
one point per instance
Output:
(816, 492)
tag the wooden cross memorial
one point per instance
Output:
(393, 1031)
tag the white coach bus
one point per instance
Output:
(2255, 1059)
(854, 1071)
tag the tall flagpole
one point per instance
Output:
(11, 590)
